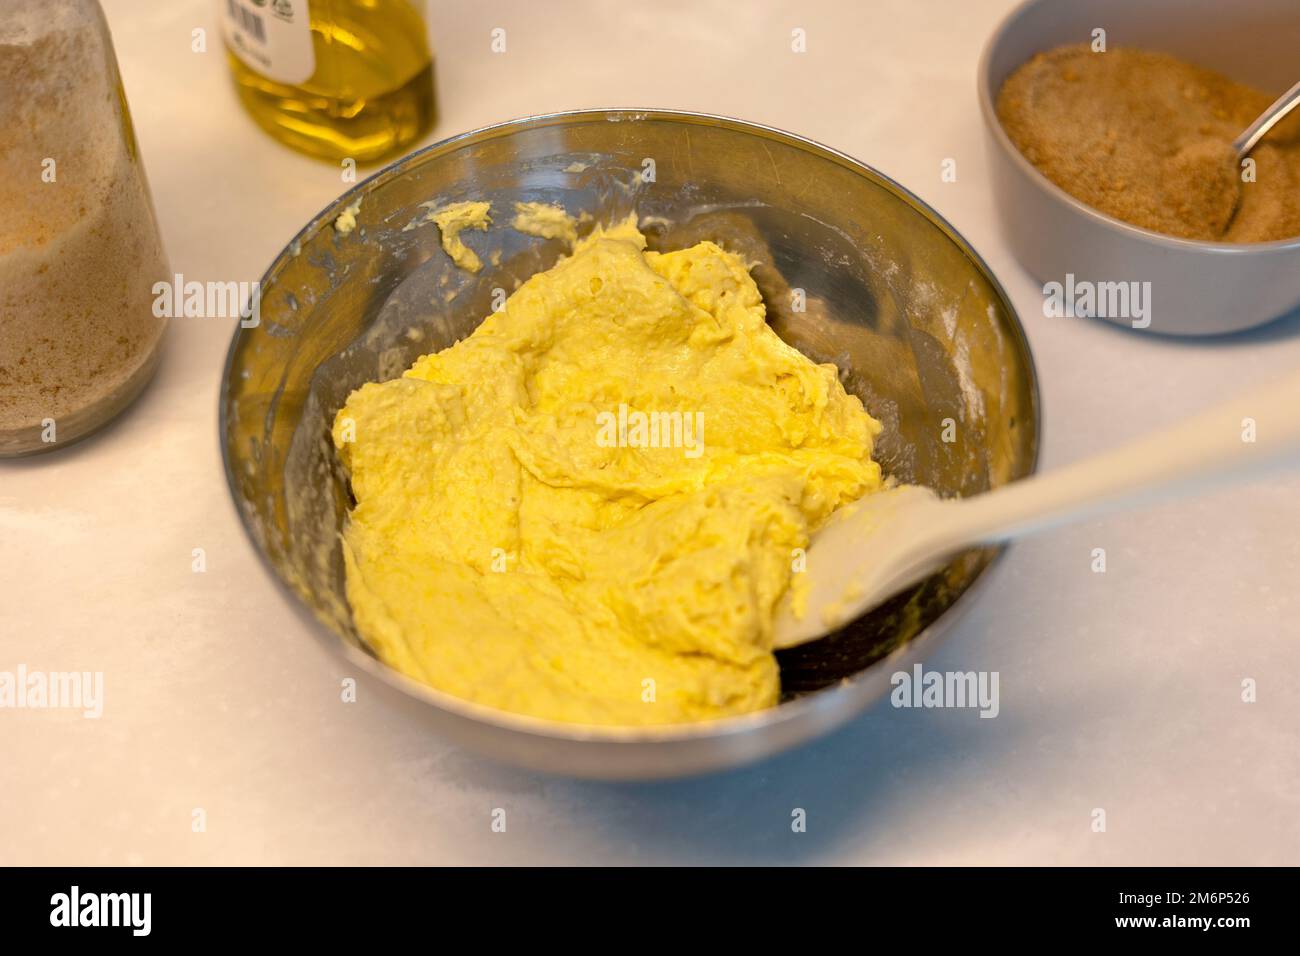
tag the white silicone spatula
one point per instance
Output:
(876, 547)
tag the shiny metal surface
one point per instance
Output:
(919, 327)
(1277, 111)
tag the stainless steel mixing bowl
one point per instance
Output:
(855, 270)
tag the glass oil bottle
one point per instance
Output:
(335, 79)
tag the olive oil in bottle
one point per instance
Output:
(333, 78)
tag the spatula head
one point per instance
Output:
(867, 551)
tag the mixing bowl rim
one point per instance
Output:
(993, 125)
(826, 699)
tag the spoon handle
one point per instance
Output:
(1253, 133)
(1238, 438)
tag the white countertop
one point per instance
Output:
(1119, 691)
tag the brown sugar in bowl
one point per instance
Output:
(1187, 286)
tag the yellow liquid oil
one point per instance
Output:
(372, 92)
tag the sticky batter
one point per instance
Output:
(548, 222)
(454, 219)
(523, 539)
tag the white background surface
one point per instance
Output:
(1118, 690)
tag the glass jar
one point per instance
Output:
(338, 79)
(79, 245)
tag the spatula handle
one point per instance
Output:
(1235, 439)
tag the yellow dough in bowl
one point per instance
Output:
(588, 509)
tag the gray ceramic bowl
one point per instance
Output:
(901, 303)
(1197, 288)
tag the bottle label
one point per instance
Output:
(272, 37)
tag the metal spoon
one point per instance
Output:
(1215, 166)
(1253, 133)
(876, 547)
